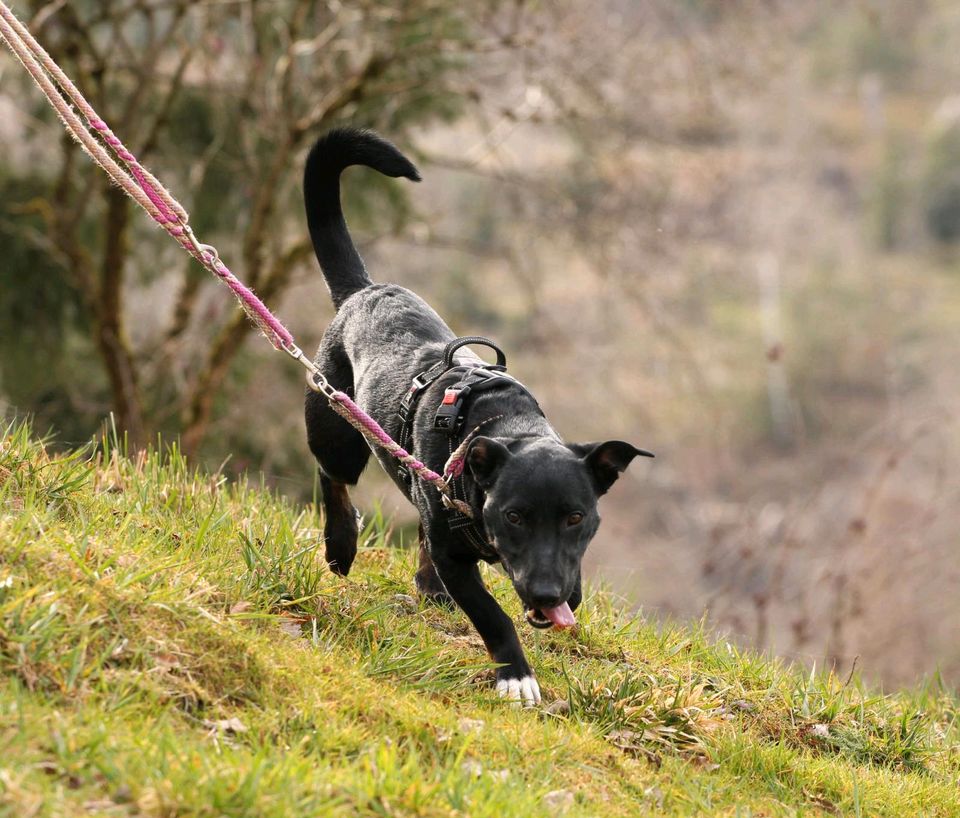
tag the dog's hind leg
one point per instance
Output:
(340, 528)
(428, 582)
(342, 454)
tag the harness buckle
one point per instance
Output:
(448, 412)
(417, 385)
(420, 381)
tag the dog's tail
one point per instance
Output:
(341, 263)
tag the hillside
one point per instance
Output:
(172, 644)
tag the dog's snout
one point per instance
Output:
(545, 594)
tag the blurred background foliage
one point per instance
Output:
(727, 231)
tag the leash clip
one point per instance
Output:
(318, 383)
(312, 372)
(202, 249)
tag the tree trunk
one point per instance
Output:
(199, 410)
(782, 413)
(108, 330)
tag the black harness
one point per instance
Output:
(450, 417)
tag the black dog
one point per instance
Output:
(534, 497)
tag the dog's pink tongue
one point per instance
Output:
(561, 616)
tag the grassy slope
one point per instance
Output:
(171, 645)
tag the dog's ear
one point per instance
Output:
(607, 461)
(486, 457)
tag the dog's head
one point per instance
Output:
(541, 512)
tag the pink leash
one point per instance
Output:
(166, 211)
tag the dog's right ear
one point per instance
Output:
(607, 461)
(486, 457)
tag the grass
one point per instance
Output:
(172, 645)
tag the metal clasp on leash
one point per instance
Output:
(315, 378)
(202, 248)
(318, 383)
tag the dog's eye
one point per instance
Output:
(514, 517)
(575, 519)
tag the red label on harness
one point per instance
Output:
(450, 396)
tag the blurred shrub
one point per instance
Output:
(857, 43)
(888, 202)
(838, 350)
(940, 187)
(44, 349)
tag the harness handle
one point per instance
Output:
(471, 340)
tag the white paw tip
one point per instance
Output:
(523, 691)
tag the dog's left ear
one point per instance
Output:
(607, 461)
(486, 457)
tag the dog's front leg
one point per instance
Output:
(515, 680)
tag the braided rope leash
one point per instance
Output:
(144, 188)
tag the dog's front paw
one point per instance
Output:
(523, 691)
(431, 588)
